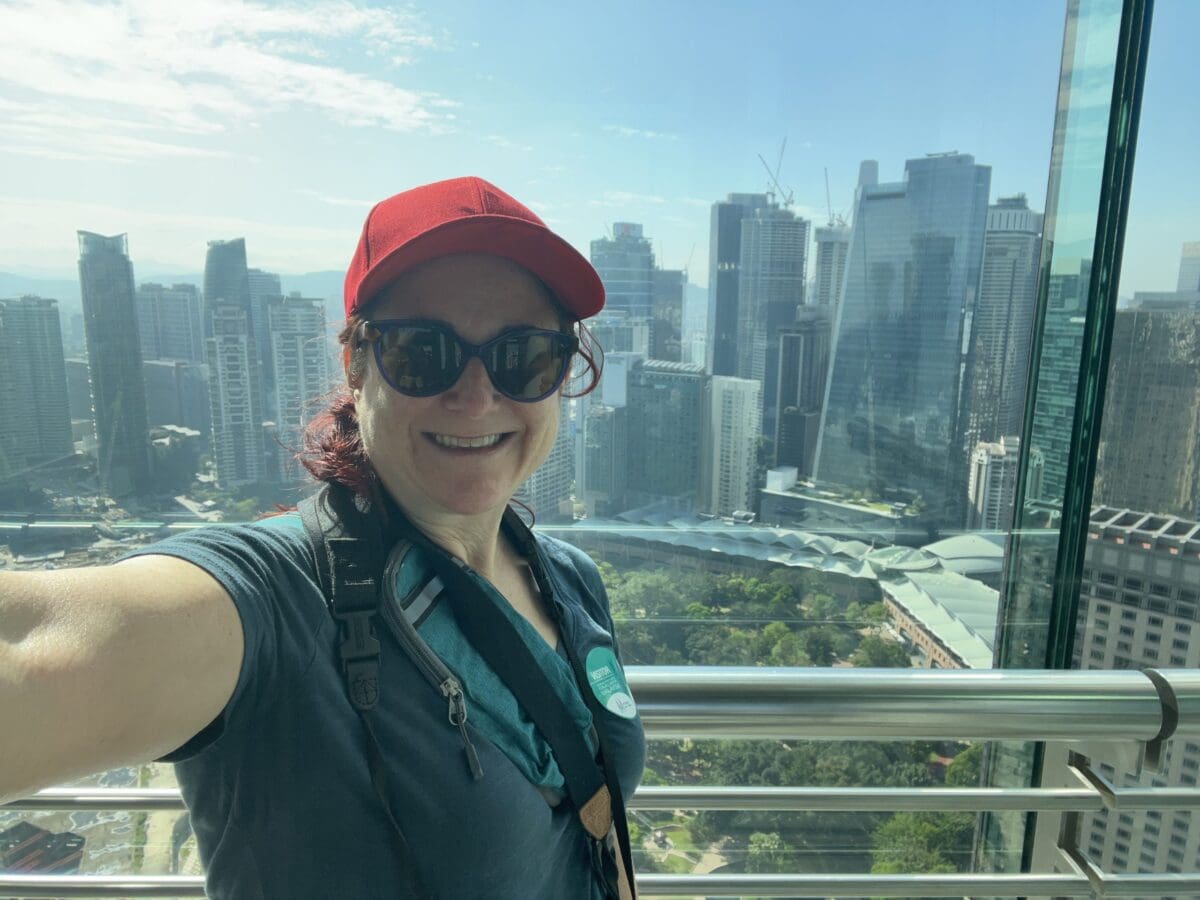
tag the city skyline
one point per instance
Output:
(211, 154)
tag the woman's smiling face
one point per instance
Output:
(409, 440)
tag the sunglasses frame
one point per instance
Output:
(372, 332)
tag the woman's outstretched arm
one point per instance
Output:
(109, 666)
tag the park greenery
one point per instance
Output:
(782, 617)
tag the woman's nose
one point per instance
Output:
(474, 391)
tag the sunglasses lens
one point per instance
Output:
(420, 360)
(528, 365)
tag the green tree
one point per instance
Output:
(965, 770)
(768, 853)
(877, 652)
(922, 842)
(819, 644)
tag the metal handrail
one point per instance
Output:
(904, 704)
(829, 704)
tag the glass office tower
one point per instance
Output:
(891, 426)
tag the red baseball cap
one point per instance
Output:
(466, 215)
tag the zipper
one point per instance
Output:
(435, 671)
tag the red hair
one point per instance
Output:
(333, 450)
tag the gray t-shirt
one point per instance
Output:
(278, 785)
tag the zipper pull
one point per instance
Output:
(458, 716)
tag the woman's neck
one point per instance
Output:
(476, 540)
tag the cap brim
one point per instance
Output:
(568, 275)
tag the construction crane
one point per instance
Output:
(834, 221)
(786, 197)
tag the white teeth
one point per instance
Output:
(446, 440)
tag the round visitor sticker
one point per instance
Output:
(608, 682)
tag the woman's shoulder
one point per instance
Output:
(272, 543)
(565, 554)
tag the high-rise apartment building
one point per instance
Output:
(262, 288)
(1058, 375)
(170, 322)
(625, 263)
(665, 427)
(34, 409)
(114, 363)
(803, 367)
(235, 394)
(729, 445)
(1139, 608)
(771, 281)
(998, 355)
(890, 425)
(833, 244)
(992, 486)
(1189, 268)
(1150, 450)
(724, 261)
(667, 327)
(300, 363)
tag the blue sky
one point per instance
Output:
(281, 123)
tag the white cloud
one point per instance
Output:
(626, 131)
(196, 68)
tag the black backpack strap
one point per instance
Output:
(349, 569)
(591, 786)
(527, 544)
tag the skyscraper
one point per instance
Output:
(601, 440)
(667, 324)
(1138, 604)
(33, 403)
(1150, 451)
(1062, 339)
(625, 263)
(833, 243)
(114, 363)
(998, 356)
(724, 261)
(295, 326)
(225, 275)
(993, 483)
(771, 276)
(665, 430)
(890, 426)
(262, 288)
(234, 365)
(729, 458)
(803, 368)
(1189, 267)
(170, 322)
(234, 393)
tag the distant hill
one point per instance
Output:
(65, 291)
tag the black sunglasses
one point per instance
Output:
(421, 358)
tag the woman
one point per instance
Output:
(217, 651)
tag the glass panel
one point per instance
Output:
(1066, 300)
(1143, 540)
